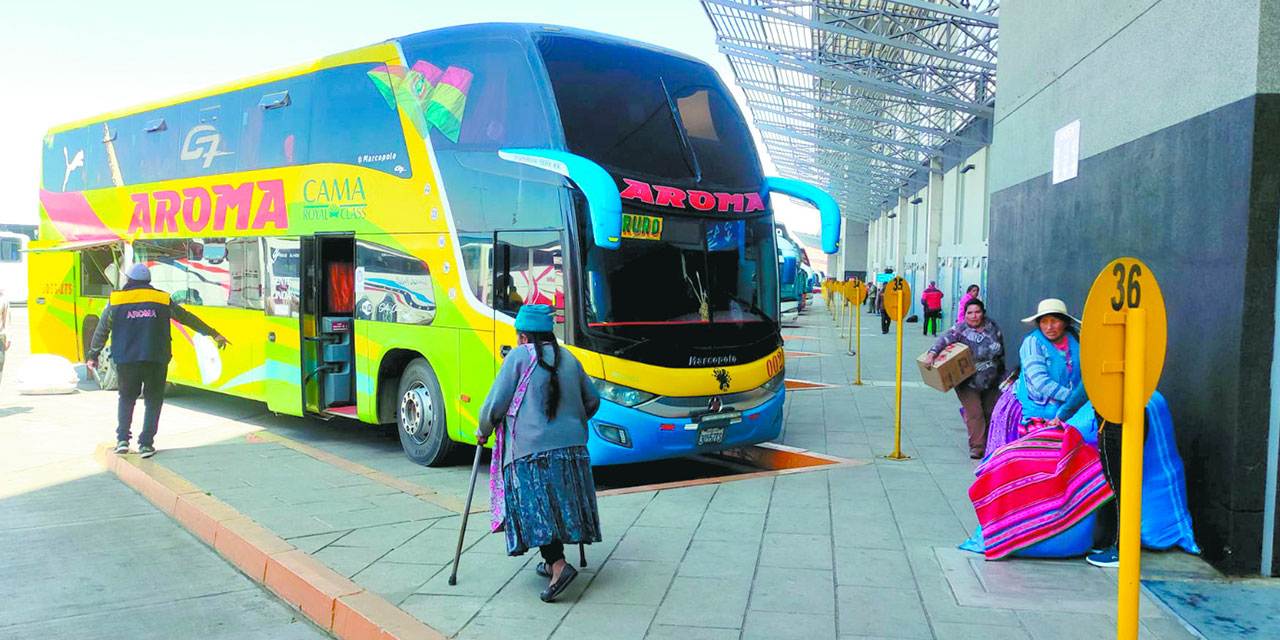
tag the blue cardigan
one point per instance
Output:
(1045, 388)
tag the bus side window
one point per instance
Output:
(9, 250)
(392, 286)
(477, 260)
(99, 269)
(63, 160)
(167, 261)
(351, 123)
(282, 258)
(529, 270)
(209, 135)
(208, 268)
(276, 124)
(244, 262)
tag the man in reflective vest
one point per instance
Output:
(137, 319)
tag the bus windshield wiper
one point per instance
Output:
(621, 351)
(686, 147)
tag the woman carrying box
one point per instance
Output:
(979, 393)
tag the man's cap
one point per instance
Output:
(138, 272)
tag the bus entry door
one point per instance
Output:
(283, 366)
(328, 323)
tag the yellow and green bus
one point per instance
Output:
(364, 227)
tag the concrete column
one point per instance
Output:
(900, 253)
(872, 246)
(934, 233)
(854, 246)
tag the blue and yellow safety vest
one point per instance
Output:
(140, 326)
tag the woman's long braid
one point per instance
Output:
(553, 390)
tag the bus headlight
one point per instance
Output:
(776, 383)
(618, 394)
(616, 435)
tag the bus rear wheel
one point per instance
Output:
(420, 417)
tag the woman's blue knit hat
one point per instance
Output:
(535, 318)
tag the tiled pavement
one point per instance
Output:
(857, 551)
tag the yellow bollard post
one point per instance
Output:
(853, 311)
(897, 411)
(1135, 360)
(844, 305)
(859, 382)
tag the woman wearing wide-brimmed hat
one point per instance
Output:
(541, 488)
(1050, 387)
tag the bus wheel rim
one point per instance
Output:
(416, 413)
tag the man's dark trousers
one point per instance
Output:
(146, 379)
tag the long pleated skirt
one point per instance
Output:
(550, 497)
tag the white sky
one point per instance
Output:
(63, 61)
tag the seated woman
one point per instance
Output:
(1044, 486)
(979, 393)
(1050, 388)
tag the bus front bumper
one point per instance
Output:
(654, 437)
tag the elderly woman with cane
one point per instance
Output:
(541, 489)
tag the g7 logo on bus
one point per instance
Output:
(775, 364)
(206, 145)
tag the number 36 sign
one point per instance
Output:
(1125, 283)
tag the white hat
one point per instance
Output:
(1048, 306)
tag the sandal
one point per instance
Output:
(556, 588)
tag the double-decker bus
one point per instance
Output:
(364, 228)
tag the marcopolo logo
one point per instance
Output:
(202, 142)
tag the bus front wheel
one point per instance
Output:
(420, 419)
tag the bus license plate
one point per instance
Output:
(710, 435)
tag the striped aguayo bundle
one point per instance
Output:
(1035, 488)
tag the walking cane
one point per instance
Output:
(462, 534)
(582, 555)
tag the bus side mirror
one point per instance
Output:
(788, 271)
(604, 205)
(828, 210)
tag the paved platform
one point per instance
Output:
(864, 550)
(85, 556)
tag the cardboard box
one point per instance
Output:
(953, 366)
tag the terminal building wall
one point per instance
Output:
(1179, 167)
(961, 254)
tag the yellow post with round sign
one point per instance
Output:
(896, 304)
(1122, 350)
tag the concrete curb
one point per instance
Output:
(331, 600)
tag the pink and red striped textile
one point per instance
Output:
(1035, 488)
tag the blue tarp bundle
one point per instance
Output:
(1166, 520)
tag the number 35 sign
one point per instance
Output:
(1124, 284)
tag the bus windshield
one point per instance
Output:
(682, 271)
(626, 108)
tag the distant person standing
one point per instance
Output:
(4, 329)
(137, 319)
(970, 294)
(932, 301)
(884, 315)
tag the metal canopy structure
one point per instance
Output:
(858, 96)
